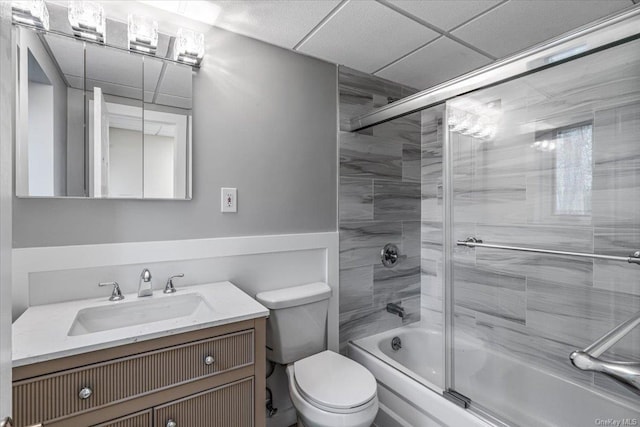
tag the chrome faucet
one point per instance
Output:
(396, 308)
(169, 288)
(116, 294)
(145, 286)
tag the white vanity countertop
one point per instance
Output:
(42, 332)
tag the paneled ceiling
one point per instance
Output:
(419, 43)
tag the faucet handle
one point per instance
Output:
(169, 288)
(145, 276)
(116, 294)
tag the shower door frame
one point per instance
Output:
(599, 35)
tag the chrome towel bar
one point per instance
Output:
(472, 242)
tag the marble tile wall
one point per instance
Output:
(379, 201)
(535, 307)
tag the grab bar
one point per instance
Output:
(588, 359)
(472, 242)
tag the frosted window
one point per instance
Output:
(573, 149)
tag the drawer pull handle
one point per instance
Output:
(172, 423)
(209, 360)
(85, 393)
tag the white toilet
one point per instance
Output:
(326, 388)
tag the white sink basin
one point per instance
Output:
(146, 310)
(51, 331)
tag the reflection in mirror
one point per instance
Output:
(50, 109)
(114, 115)
(167, 128)
(99, 121)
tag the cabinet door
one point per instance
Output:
(140, 419)
(229, 405)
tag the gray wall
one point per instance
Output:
(264, 122)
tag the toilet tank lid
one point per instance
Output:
(295, 295)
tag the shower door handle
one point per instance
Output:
(625, 372)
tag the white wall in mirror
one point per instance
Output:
(136, 153)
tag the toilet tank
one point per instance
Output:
(297, 323)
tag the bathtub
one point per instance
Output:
(410, 378)
(410, 385)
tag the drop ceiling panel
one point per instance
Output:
(518, 24)
(445, 14)
(282, 22)
(435, 63)
(366, 36)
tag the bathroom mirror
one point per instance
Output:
(100, 122)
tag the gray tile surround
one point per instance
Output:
(356, 199)
(367, 156)
(396, 201)
(361, 242)
(527, 304)
(517, 303)
(380, 181)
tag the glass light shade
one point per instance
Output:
(189, 47)
(87, 20)
(31, 12)
(143, 34)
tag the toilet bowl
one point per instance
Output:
(326, 388)
(330, 390)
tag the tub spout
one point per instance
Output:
(396, 308)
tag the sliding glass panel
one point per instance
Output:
(551, 161)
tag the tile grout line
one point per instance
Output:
(320, 24)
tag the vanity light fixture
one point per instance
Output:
(143, 34)
(87, 20)
(31, 12)
(189, 47)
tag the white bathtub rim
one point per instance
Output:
(446, 412)
(374, 340)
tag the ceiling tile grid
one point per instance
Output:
(435, 63)
(366, 35)
(418, 43)
(518, 24)
(446, 14)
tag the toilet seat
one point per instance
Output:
(334, 383)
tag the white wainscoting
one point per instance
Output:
(46, 275)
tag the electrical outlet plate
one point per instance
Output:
(228, 200)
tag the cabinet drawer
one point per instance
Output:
(141, 419)
(58, 395)
(229, 405)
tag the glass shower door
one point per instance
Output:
(551, 161)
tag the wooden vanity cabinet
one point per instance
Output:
(140, 419)
(206, 378)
